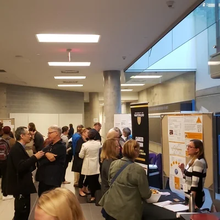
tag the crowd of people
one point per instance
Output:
(108, 168)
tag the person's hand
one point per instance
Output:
(39, 154)
(182, 167)
(50, 156)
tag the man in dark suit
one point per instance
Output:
(19, 182)
(51, 167)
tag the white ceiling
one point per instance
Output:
(127, 28)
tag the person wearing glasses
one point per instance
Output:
(195, 172)
(51, 166)
(19, 174)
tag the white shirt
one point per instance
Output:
(90, 155)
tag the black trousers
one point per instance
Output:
(3, 167)
(82, 181)
(93, 181)
(65, 167)
(22, 205)
(42, 187)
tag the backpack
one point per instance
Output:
(4, 149)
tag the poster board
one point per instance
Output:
(122, 121)
(207, 129)
(9, 122)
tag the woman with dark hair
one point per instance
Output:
(195, 172)
(90, 155)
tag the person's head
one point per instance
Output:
(92, 134)
(70, 125)
(22, 135)
(79, 127)
(97, 126)
(31, 128)
(6, 130)
(54, 133)
(58, 204)
(126, 132)
(84, 133)
(195, 149)
(114, 133)
(65, 130)
(131, 149)
(110, 149)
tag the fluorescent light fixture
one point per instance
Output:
(68, 38)
(69, 63)
(132, 84)
(126, 90)
(70, 85)
(146, 77)
(213, 63)
(69, 77)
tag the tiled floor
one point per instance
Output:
(90, 210)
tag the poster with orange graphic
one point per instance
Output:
(181, 129)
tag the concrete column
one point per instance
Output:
(94, 107)
(124, 108)
(112, 97)
(3, 102)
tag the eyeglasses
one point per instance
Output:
(51, 132)
(188, 146)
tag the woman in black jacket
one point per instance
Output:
(77, 163)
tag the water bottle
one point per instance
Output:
(191, 203)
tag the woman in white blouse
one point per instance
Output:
(90, 155)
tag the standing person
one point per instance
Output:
(19, 176)
(71, 131)
(59, 204)
(195, 172)
(64, 137)
(75, 138)
(77, 163)
(97, 126)
(109, 153)
(50, 170)
(126, 133)
(37, 137)
(90, 155)
(132, 184)
(6, 143)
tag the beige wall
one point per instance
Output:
(178, 89)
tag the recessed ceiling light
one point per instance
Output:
(69, 77)
(126, 90)
(69, 63)
(70, 85)
(132, 84)
(146, 77)
(68, 38)
(213, 63)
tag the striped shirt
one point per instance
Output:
(195, 176)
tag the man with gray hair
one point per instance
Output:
(51, 166)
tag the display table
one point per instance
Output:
(153, 212)
(201, 216)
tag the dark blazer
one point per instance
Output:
(77, 162)
(51, 173)
(19, 167)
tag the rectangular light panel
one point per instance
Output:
(68, 38)
(132, 84)
(126, 90)
(146, 77)
(69, 77)
(69, 63)
(70, 85)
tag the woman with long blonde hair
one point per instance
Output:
(195, 172)
(110, 151)
(58, 204)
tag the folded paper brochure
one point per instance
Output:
(172, 207)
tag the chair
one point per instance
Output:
(152, 158)
(160, 168)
